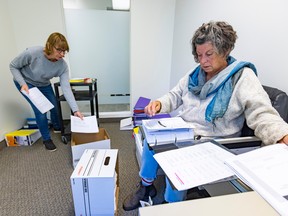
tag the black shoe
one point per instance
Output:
(133, 200)
(49, 145)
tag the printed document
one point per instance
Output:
(195, 165)
(174, 123)
(126, 124)
(87, 125)
(168, 136)
(39, 100)
(265, 171)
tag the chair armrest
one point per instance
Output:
(239, 140)
(239, 145)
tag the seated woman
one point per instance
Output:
(216, 96)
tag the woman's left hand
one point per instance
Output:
(79, 114)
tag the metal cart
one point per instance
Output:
(82, 92)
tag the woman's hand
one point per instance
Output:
(79, 114)
(284, 139)
(25, 88)
(152, 108)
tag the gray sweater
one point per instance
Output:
(31, 66)
(248, 101)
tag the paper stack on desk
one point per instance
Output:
(265, 171)
(165, 130)
(195, 165)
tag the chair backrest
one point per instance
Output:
(279, 101)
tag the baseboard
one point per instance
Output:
(108, 120)
(123, 114)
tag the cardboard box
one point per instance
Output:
(94, 183)
(82, 141)
(22, 137)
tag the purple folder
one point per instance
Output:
(161, 115)
(137, 120)
(141, 103)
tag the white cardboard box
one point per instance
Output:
(94, 183)
(22, 137)
(82, 141)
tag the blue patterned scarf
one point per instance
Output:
(221, 85)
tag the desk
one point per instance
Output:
(89, 94)
(248, 203)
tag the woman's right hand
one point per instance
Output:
(152, 108)
(25, 88)
(79, 114)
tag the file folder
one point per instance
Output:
(141, 103)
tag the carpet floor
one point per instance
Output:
(34, 181)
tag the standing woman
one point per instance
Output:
(35, 67)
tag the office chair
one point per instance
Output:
(248, 140)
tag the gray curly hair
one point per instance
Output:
(220, 34)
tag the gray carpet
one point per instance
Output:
(34, 181)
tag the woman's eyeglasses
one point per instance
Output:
(60, 51)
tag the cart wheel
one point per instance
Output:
(64, 139)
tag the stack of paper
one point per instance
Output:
(195, 165)
(167, 130)
(139, 114)
(265, 171)
(138, 111)
(76, 80)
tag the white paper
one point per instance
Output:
(39, 100)
(166, 136)
(87, 125)
(265, 171)
(162, 124)
(195, 165)
(126, 124)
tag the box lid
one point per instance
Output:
(96, 163)
(21, 133)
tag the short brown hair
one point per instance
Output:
(56, 39)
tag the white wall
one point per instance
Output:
(22, 24)
(151, 47)
(261, 28)
(12, 108)
(262, 35)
